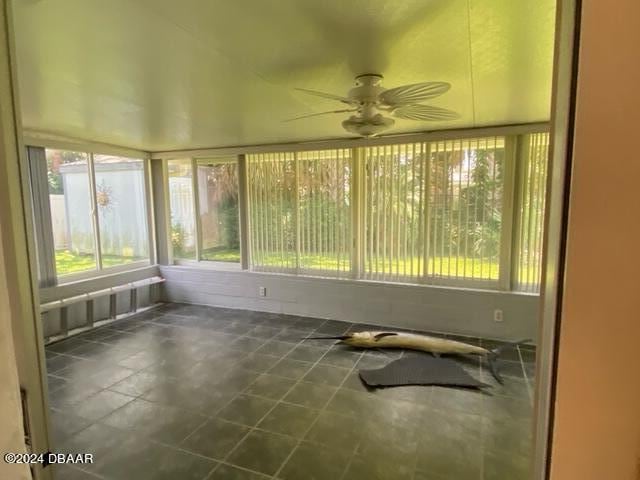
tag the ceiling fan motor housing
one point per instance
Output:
(367, 89)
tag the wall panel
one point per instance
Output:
(461, 311)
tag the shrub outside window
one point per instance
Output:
(204, 209)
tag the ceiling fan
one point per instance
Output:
(370, 100)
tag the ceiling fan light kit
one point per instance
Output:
(369, 127)
(368, 98)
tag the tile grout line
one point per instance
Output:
(243, 391)
(252, 428)
(217, 461)
(214, 459)
(323, 409)
(526, 377)
(133, 397)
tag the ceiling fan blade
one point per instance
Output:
(330, 96)
(424, 112)
(321, 113)
(415, 93)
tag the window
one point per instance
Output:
(181, 202)
(97, 211)
(122, 213)
(462, 212)
(70, 205)
(465, 209)
(433, 210)
(272, 199)
(530, 220)
(394, 211)
(300, 215)
(203, 198)
(323, 209)
(218, 210)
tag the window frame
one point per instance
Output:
(42, 216)
(503, 282)
(358, 191)
(297, 268)
(513, 136)
(198, 261)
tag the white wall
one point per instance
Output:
(461, 311)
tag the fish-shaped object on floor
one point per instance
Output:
(413, 341)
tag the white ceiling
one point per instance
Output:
(174, 74)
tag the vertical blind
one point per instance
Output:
(394, 211)
(324, 214)
(272, 201)
(433, 210)
(300, 211)
(427, 212)
(465, 209)
(530, 220)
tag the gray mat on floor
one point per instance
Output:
(421, 370)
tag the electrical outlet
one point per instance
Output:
(262, 291)
(498, 315)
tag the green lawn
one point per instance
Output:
(218, 254)
(70, 262)
(470, 268)
(464, 267)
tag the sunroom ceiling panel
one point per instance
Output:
(161, 74)
(512, 59)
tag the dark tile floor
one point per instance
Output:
(189, 392)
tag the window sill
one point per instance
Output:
(477, 286)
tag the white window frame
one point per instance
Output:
(45, 249)
(211, 264)
(508, 253)
(297, 269)
(358, 176)
(507, 225)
